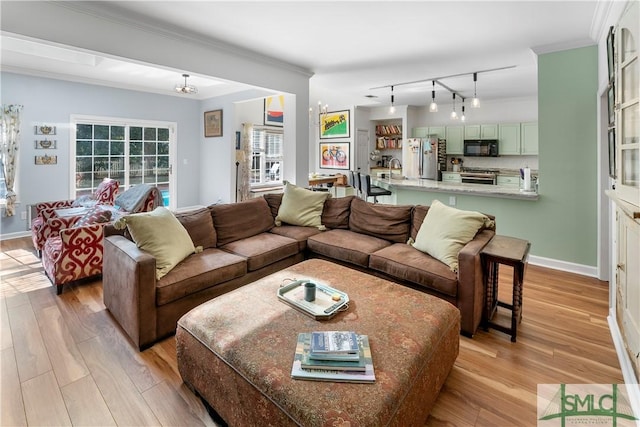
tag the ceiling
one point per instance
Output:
(354, 48)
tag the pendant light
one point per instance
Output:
(433, 107)
(392, 109)
(462, 117)
(454, 115)
(475, 102)
(186, 88)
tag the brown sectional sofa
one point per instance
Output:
(242, 244)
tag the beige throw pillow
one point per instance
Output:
(301, 207)
(445, 230)
(160, 234)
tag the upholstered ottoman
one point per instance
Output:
(236, 352)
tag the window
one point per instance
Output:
(267, 156)
(133, 153)
(3, 185)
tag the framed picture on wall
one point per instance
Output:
(274, 110)
(213, 123)
(334, 155)
(610, 54)
(335, 124)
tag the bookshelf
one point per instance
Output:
(388, 137)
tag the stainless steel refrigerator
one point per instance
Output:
(433, 158)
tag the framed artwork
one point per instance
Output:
(213, 123)
(334, 155)
(335, 124)
(611, 104)
(612, 153)
(274, 110)
(45, 130)
(46, 144)
(610, 54)
(46, 160)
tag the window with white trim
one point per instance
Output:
(133, 152)
(266, 157)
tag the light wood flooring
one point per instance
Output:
(65, 361)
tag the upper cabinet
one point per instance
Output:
(481, 132)
(627, 126)
(529, 138)
(509, 139)
(423, 132)
(455, 138)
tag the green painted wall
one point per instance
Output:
(562, 224)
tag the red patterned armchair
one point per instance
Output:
(46, 223)
(75, 250)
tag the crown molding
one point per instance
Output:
(557, 47)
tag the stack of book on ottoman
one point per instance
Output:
(342, 356)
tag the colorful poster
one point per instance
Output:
(334, 124)
(334, 155)
(274, 110)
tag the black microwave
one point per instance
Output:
(481, 147)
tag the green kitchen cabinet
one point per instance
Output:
(451, 177)
(420, 132)
(423, 132)
(509, 139)
(455, 137)
(481, 132)
(508, 181)
(529, 139)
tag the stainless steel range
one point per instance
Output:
(478, 176)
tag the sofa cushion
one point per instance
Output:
(263, 249)
(301, 207)
(199, 271)
(236, 221)
(199, 225)
(273, 200)
(336, 212)
(387, 222)
(346, 245)
(297, 233)
(409, 264)
(159, 233)
(417, 216)
(445, 230)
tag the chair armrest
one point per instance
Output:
(58, 204)
(129, 288)
(471, 282)
(53, 226)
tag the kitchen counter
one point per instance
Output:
(446, 187)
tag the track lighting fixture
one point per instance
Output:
(433, 107)
(462, 117)
(475, 102)
(454, 115)
(392, 109)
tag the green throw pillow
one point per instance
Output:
(160, 233)
(301, 207)
(445, 230)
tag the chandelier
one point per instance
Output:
(186, 88)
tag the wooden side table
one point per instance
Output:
(508, 251)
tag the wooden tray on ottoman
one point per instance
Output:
(236, 351)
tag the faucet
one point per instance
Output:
(391, 165)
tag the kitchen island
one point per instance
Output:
(431, 186)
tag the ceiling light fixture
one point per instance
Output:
(475, 102)
(462, 117)
(433, 107)
(454, 115)
(392, 109)
(186, 88)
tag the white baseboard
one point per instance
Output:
(17, 235)
(630, 380)
(585, 270)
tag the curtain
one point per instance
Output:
(10, 145)
(245, 162)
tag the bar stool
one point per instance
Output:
(373, 190)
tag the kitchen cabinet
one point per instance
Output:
(423, 132)
(529, 139)
(508, 181)
(481, 132)
(451, 177)
(455, 139)
(509, 139)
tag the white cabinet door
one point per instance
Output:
(509, 139)
(454, 137)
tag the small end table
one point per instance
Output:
(508, 251)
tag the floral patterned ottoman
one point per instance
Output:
(236, 352)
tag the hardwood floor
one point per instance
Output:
(65, 361)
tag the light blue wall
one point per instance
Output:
(54, 101)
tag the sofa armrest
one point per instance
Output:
(471, 282)
(129, 288)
